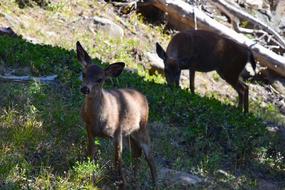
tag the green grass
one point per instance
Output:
(43, 140)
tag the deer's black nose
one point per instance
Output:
(85, 90)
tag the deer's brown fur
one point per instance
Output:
(204, 51)
(114, 113)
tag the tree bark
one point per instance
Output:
(184, 12)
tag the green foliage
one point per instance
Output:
(86, 172)
(245, 24)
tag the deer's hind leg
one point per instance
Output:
(118, 144)
(192, 80)
(242, 90)
(136, 153)
(142, 138)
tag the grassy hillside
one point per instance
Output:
(43, 140)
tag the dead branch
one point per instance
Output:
(126, 6)
(43, 79)
(234, 12)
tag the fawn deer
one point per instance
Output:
(204, 51)
(114, 113)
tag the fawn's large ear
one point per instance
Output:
(82, 55)
(114, 69)
(160, 51)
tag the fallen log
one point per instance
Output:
(43, 79)
(7, 31)
(234, 12)
(184, 12)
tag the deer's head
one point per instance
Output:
(171, 66)
(93, 75)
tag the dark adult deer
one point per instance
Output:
(114, 113)
(204, 51)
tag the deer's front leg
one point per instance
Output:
(91, 149)
(192, 80)
(118, 143)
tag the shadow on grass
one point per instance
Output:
(41, 129)
(29, 3)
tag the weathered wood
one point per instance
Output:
(43, 79)
(233, 11)
(7, 31)
(185, 13)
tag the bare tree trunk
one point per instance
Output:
(184, 12)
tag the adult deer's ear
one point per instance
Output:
(114, 69)
(160, 51)
(82, 55)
